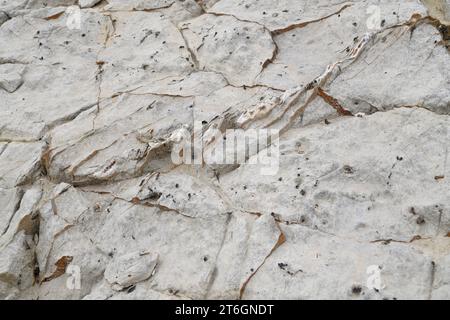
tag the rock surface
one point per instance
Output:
(95, 97)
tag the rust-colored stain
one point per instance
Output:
(55, 16)
(333, 102)
(280, 241)
(305, 23)
(61, 266)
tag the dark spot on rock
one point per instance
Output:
(153, 195)
(348, 169)
(356, 290)
(420, 220)
(282, 265)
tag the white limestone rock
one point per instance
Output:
(11, 77)
(24, 218)
(3, 17)
(306, 50)
(138, 5)
(61, 72)
(95, 205)
(16, 5)
(224, 44)
(281, 14)
(123, 138)
(246, 246)
(17, 246)
(391, 83)
(9, 201)
(131, 268)
(16, 267)
(173, 10)
(308, 263)
(144, 47)
(440, 288)
(206, 4)
(372, 178)
(20, 163)
(139, 291)
(88, 3)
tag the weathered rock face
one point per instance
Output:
(96, 96)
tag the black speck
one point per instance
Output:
(348, 169)
(356, 290)
(282, 265)
(420, 220)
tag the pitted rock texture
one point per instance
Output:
(94, 96)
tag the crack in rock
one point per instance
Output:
(355, 95)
